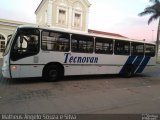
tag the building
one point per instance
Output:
(105, 33)
(66, 14)
(6, 28)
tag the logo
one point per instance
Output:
(77, 59)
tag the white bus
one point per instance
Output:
(34, 51)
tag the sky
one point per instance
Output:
(116, 16)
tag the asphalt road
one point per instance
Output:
(83, 94)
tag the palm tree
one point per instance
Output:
(154, 10)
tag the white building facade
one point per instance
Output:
(66, 14)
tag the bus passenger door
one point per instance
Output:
(31, 70)
(24, 52)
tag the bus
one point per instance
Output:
(34, 51)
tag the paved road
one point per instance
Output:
(83, 94)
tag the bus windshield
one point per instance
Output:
(8, 39)
(8, 44)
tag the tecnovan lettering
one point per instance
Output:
(76, 59)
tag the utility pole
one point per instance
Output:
(157, 42)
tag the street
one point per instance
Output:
(83, 94)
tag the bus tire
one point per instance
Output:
(128, 71)
(52, 73)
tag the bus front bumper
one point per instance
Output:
(6, 72)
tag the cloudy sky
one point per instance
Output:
(117, 16)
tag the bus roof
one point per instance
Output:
(118, 37)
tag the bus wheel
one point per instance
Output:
(128, 71)
(52, 73)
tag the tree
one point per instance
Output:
(154, 11)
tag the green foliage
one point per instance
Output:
(153, 10)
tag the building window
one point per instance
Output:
(62, 17)
(77, 20)
(2, 43)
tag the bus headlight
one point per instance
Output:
(13, 68)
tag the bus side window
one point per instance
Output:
(55, 41)
(82, 44)
(122, 47)
(150, 50)
(104, 46)
(137, 48)
(32, 44)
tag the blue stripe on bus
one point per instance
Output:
(143, 65)
(129, 61)
(137, 62)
